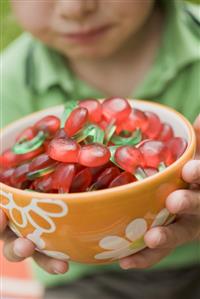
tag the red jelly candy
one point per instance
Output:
(116, 108)
(8, 159)
(154, 127)
(48, 124)
(155, 152)
(136, 119)
(63, 176)
(40, 162)
(94, 109)
(6, 175)
(81, 181)
(106, 177)
(60, 134)
(19, 175)
(27, 134)
(93, 155)
(166, 133)
(122, 179)
(76, 120)
(128, 158)
(43, 184)
(63, 150)
(96, 171)
(177, 146)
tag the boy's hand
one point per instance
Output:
(186, 204)
(17, 249)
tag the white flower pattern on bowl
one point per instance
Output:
(117, 247)
(25, 211)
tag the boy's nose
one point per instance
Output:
(76, 9)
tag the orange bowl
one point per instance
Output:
(102, 226)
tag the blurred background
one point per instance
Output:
(10, 29)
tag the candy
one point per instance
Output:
(94, 146)
(48, 124)
(128, 158)
(105, 178)
(94, 109)
(76, 120)
(81, 181)
(122, 179)
(93, 155)
(155, 152)
(63, 150)
(177, 146)
(116, 108)
(154, 125)
(166, 133)
(62, 177)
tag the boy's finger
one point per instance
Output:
(50, 265)
(16, 250)
(197, 131)
(191, 172)
(3, 221)
(144, 259)
(184, 202)
(184, 230)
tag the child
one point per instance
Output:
(98, 48)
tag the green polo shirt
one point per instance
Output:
(35, 77)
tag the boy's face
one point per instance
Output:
(84, 28)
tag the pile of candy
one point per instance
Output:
(93, 146)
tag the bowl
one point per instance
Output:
(102, 226)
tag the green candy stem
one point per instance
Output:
(109, 131)
(29, 146)
(41, 172)
(81, 135)
(140, 174)
(161, 166)
(134, 139)
(67, 110)
(97, 135)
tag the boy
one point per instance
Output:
(98, 48)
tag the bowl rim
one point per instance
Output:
(88, 196)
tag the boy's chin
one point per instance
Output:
(88, 53)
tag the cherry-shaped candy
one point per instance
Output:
(116, 108)
(27, 134)
(96, 171)
(6, 175)
(8, 159)
(94, 109)
(154, 127)
(48, 124)
(63, 150)
(155, 152)
(40, 162)
(177, 146)
(63, 176)
(105, 178)
(81, 181)
(128, 158)
(122, 179)
(93, 155)
(19, 175)
(43, 184)
(76, 120)
(136, 119)
(166, 133)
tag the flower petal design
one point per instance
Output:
(160, 218)
(14, 229)
(136, 229)
(47, 205)
(35, 238)
(56, 254)
(113, 242)
(22, 222)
